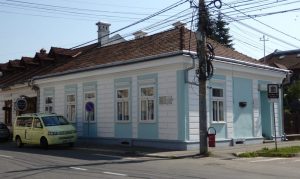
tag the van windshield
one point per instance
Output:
(54, 121)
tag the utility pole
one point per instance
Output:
(202, 70)
(264, 41)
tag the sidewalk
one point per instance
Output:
(220, 152)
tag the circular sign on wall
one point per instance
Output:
(21, 104)
(89, 106)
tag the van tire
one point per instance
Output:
(44, 143)
(19, 142)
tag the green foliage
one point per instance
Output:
(221, 32)
(292, 96)
(280, 152)
(216, 29)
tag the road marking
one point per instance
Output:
(6, 156)
(118, 174)
(77, 168)
(267, 160)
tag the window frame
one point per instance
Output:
(93, 100)
(123, 100)
(70, 104)
(147, 98)
(218, 100)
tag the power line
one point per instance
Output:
(139, 21)
(73, 8)
(265, 24)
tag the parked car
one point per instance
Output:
(44, 130)
(4, 132)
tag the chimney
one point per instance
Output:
(103, 33)
(139, 34)
(178, 24)
(43, 51)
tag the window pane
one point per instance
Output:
(122, 93)
(89, 95)
(49, 100)
(221, 111)
(147, 91)
(119, 110)
(150, 109)
(71, 110)
(215, 110)
(126, 113)
(50, 109)
(143, 110)
(217, 92)
(71, 98)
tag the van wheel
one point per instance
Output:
(19, 142)
(44, 143)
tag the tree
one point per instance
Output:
(216, 29)
(221, 32)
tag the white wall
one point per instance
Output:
(167, 86)
(13, 94)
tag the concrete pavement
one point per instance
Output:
(220, 152)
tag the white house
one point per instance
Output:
(141, 92)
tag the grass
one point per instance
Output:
(266, 152)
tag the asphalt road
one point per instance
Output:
(62, 162)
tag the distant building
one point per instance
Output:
(142, 92)
(289, 60)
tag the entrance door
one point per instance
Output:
(89, 125)
(266, 120)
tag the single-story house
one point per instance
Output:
(142, 92)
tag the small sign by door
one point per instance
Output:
(273, 91)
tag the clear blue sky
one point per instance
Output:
(27, 27)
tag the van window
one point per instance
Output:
(54, 120)
(24, 122)
(37, 123)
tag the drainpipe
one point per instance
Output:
(186, 73)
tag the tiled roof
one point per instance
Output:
(174, 40)
(61, 60)
(21, 71)
(289, 59)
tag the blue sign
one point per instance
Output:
(89, 106)
(21, 104)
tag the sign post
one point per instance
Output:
(273, 95)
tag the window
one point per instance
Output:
(24, 122)
(147, 101)
(217, 105)
(49, 104)
(71, 107)
(37, 123)
(89, 105)
(122, 104)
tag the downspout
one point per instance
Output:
(186, 71)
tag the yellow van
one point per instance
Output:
(43, 129)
